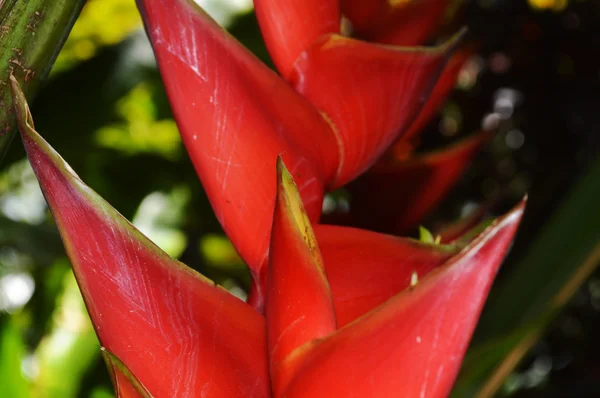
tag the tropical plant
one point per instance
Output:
(333, 310)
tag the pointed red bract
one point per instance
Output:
(402, 23)
(180, 335)
(440, 93)
(365, 268)
(370, 93)
(235, 116)
(413, 344)
(299, 303)
(394, 197)
(289, 27)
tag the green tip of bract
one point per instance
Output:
(20, 104)
(292, 203)
(125, 383)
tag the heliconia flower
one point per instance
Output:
(410, 345)
(167, 331)
(395, 195)
(345, 101)
(399, 22)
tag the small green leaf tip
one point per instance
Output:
(425, 235)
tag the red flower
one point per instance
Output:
(348, 312)
(373, 330)
(344, 102)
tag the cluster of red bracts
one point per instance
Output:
(335, 311)
(337, 107)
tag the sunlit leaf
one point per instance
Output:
(12, 353)
(68, 349)
(91, 32)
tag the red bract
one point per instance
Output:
(395, 195)
(351, 100)
(169, 332)
(412, 344)
(365, 268)
(399, 22)
(234, 114)
(440, 93)
(177, 332)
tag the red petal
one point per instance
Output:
(125, 383)
(444, 86)
(395, 197)
(364, 15)
(412, 345)
(290, 27)
(365, 268)
(371, 93)
(407, 23)
(299, 303)
(181, 335)
(235, 116)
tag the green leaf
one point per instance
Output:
(31, 34)
(540, 285)
(425, 235)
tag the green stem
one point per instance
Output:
(32, 33)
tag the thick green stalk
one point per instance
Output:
(32, 33)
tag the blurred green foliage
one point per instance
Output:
(101, 23)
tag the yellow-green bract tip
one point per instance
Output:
(116, 367)
(291, 201)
